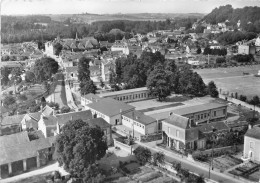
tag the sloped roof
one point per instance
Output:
(177, 120)
(110, 107)
(35, 115)
(50, 120)
(47, 110)
(64, 118)
(140, 117)
(24, 150)
(98, 122)
(88, 44)
(207, 128)
(12, 120)
(197, 108)
(253, 132)
(14, 139)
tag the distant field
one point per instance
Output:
(233, 80)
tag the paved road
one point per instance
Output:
(219, 177)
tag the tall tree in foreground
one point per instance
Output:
(87, 86)
(44, 68)
(212, 89)
(158, 83)
(254, 101)
(78, 147)
(83, 69)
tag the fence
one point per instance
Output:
(239, 102)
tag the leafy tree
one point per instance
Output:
(87, 86)
(220, 60)
(78, 147)
(144, 39)
(158, 158)
(243, 98)
(142, 154)
(176, 166)
(5, 71)
(44, 68)
(65, 109)
(54, 105)
(29, 76)
(254, 101)
(57, 48)
(199, 50)
(212, 89)
(22, 97)
(102, 84)
(158, 83)
(9, 100)
(83, 69)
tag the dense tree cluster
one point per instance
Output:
(230, 37)
(220, 52)
(86, 84)
(21, 29)
(243, 58)
(161, 76)
(78, 147)
(248, 16)
(44, 68)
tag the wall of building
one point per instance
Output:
(131, 97)
(252, 145)
(171, 131)
(110, 120)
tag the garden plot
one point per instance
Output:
(225, 162)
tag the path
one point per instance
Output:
(46, 169)
(170, 157)
(59, 94)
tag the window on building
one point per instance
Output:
(201, 116)
(224, 111)
(205, 115)
(177, 133)
(143, 126)
(105, 132)
(251, 145)
(215, 113)
(198, 117)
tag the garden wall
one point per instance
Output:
(227, 148)
(237, 102)
(151, 137)
(125, 147)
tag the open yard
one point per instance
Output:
(232, 79)
(225, 162)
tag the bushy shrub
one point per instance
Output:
(142, 154)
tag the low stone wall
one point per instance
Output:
(125, 147)
(208, 151)
(151, 137)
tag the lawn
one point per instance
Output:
(233, 80)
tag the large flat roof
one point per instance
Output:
(110, 107)
(122, 92)
(197, 108)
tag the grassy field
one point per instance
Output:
(233, 80)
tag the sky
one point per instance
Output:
(17, 7)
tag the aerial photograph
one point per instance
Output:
(130, 91)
